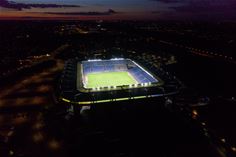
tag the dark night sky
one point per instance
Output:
(120, 9)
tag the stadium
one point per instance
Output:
(111, 80)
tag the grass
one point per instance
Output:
(105, 79)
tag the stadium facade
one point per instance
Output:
(99, 81)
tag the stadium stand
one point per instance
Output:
(118, 65)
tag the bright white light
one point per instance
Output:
(117, 59)
(94, 60)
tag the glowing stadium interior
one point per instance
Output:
(113, 74)
(99, 81)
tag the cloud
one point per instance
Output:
(201, 9)
(168, 1)
(209, 9)
(208, 6)
(20, 6)
(109, 12)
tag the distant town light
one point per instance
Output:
(233, 149)
(223, 140)
(38, 137)
(195, 112)
(53, 144)
(11, 153)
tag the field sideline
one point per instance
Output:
(105, 79)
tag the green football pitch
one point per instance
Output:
(106, 79)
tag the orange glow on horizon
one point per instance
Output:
(16, 15)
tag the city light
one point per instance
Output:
(38, 137)
(54, 144)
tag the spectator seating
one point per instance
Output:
(118, 65)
